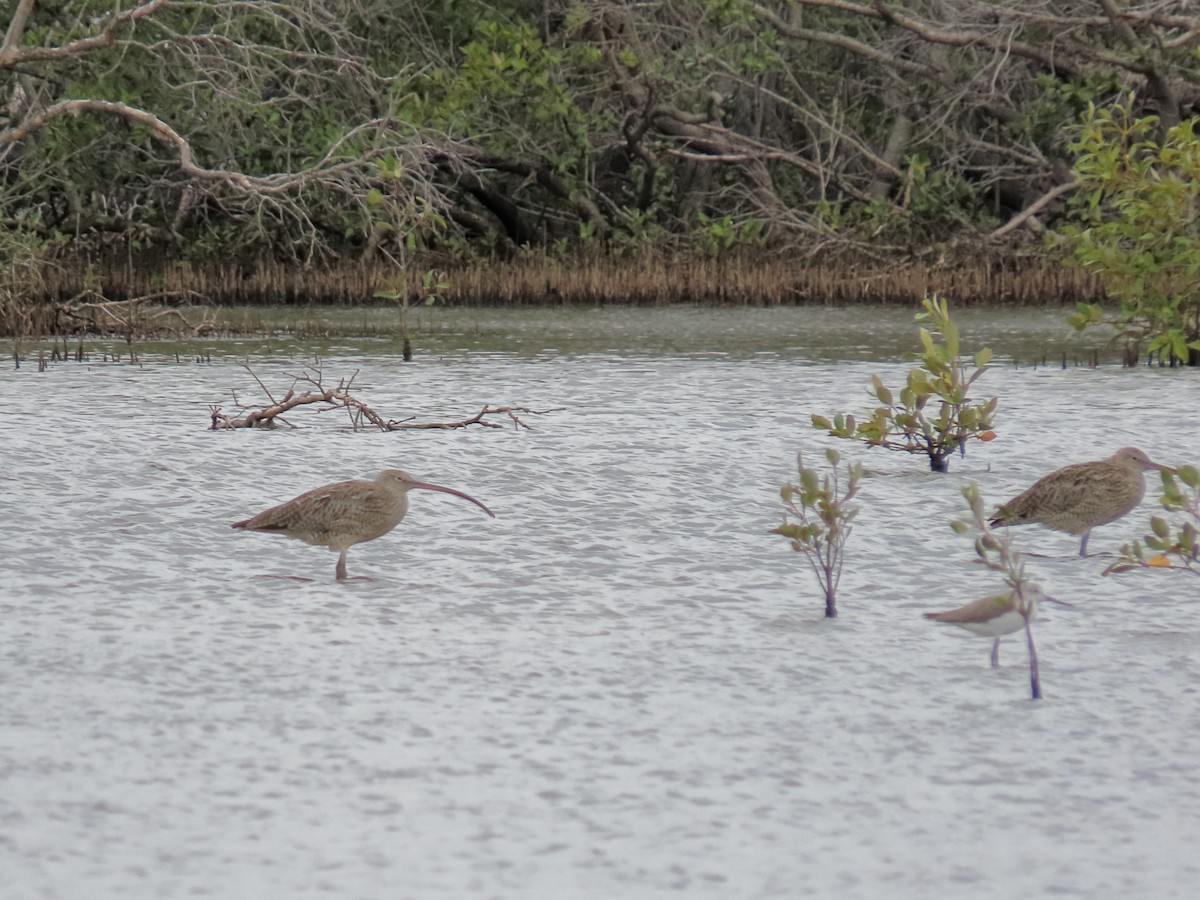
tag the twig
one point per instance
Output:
(477, 419)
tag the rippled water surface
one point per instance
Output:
(622, 686)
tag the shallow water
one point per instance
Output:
(1031, 336)
(621, 686)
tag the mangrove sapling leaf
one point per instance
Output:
(1173, 544)
(880, 391)
(817, 517)
(902, 423)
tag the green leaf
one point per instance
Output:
(881, 391)
(808, 481)
(927, 343)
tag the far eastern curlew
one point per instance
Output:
(340, 515)
(991, 617)
(1080, 497)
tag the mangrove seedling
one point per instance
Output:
(434, 285)
(1169, 545)
(816, 520)
(906, 421)
(997, 554)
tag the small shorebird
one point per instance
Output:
(991, 617)
(341, 515)
(1082, 496)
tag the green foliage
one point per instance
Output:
(997, 554)
(904, 420)
(816, 520)
(718, 235)
(505, 75)
(21, 254)
(433, 287)
(1169, 545)
(747, 45)
(933, 190)
(932, 202)
(21, 277)
(1136, 226)
(644, 113)
(1059, 103)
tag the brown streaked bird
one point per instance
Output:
(340, 515)
(991, 617)
(1082, 496)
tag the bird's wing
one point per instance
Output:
(308, 512)
(337, 513)
(980, 611)
(1058, 492)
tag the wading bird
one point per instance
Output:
(991, 617)
(338, 516)
(1082, 496)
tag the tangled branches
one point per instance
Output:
(308, 388)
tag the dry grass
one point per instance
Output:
(646, 281)
(540, 281)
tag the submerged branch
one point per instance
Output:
(361, 415)
(478, 418)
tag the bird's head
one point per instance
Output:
(399, 480)
(1137, 459)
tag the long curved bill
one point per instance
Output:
(1056, 600)
(426, 486)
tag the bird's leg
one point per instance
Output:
(341, 566)
(996, 653)
(1083, 543)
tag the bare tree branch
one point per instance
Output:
(13, 54)
(1034, 208)
(340, 397)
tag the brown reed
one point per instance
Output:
(537, 281)
(647, 280)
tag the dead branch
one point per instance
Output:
(1031, 211)
(361, 415)
(478, 418)
(91, 312)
